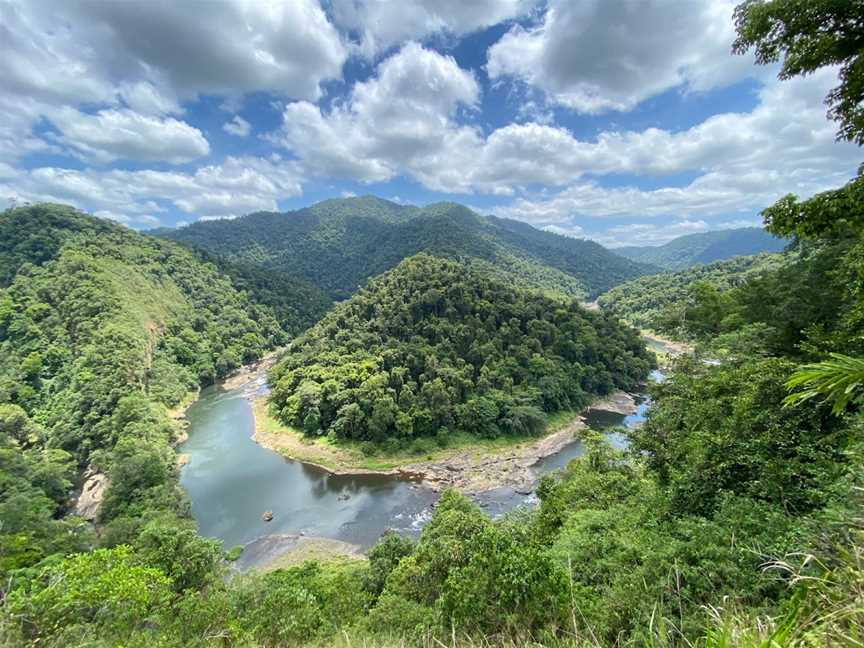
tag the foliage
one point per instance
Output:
(296, 304)
(833, 213)
(719, 430)
(838, 380)
(106, 587)
(660, 301)
(704, 248)
(101, 331)
(339, 244)
(809, 35)
(430, 348)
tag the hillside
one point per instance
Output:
(103, 331)
(653, 300)
(339, 244)
(430, 348)
(693, 249)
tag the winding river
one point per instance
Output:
(231, 480)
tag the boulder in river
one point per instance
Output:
(267, 516)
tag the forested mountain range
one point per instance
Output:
(102, 331)
(653, 301)
(339, 244)
(693, 249)
(428, 349)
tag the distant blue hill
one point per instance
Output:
(693, 249)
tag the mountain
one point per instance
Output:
(692, 249)
(103, 331)
(430, 349)
(650, 300)
(339, 244)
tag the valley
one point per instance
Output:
(232, 472)
(488, 324)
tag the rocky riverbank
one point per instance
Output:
(473, 467)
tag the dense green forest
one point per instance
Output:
(708, 247)
(339, 244)
(429, 348)
(732, 519)
(799, 305)
(102, 331)
(660, 301)
(296, 304)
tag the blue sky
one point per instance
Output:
(629, 123)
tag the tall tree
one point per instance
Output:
(808, 35)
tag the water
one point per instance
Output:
(610, 423)
(231, 481)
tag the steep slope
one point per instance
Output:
(646, 301)
(430, 348)
(693, 249)
(339, 244)
(102, 331)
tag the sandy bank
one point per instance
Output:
(475, 466)
(283, 550)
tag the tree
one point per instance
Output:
(808, 35)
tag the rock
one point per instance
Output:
(88, 502)
(182, 460)
(267, 516)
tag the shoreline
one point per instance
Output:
(283, 550)
(474, 467)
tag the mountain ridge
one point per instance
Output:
(339, 244)
(704, 247)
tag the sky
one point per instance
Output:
(630, 123)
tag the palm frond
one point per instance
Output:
(838, 380)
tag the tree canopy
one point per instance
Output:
(338, 245)
(808, 35)
(431, 347)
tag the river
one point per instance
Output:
(231, 480)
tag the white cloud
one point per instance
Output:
(139, 61)
(145, 98)
(401, 121)
(237, 126)
(123, 134)
(599, 55)
(380, 25)
(81, 50)
(645, 234)
(235, 187)
(404, 121)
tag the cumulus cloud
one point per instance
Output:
(379, 26)
(402, 120)
(60, 49)
(237, 126)
(600, 55)
(145, 59)
(123, 134)
(237, 186)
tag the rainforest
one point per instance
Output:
(242, 406)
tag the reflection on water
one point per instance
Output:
(231, 481)
(602, 420)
